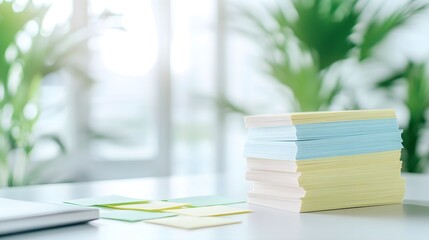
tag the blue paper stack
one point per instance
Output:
(324, 160)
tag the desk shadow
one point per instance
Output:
(64, 232)
(407, 210)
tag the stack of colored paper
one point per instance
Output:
(315, 161)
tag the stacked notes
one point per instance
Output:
(315, 161)
(187, 213)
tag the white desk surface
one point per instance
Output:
(385, 222)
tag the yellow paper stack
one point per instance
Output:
(316, 161)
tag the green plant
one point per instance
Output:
(416, 101)
(301, 47)
(21, 71)
(300, 50)
(378, 29)
(413, 76)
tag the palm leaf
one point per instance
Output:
(378, 29)
(417, 102)
(325, 27)
(391, 80)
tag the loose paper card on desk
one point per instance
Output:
(105, 200)
(209, 211)
(193, 222)
(151, 206)
(209, 200)
(134, 216)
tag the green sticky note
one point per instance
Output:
(104, 201)
(209, 200)
(134, 216)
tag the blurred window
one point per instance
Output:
(114, 127)
(122, 109)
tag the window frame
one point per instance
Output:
(96, 168)
(83, 166)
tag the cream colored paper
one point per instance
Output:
(209, 211)
(291, 119)
(186, 222)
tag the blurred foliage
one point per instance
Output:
(323, 27)
(301, 45)
(377, 29)
(21, 71)
(321, 34)
(416, 100)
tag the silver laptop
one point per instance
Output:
(20, 216)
